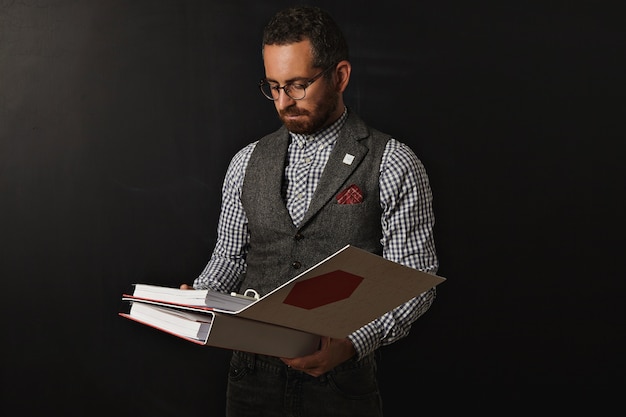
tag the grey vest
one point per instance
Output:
(278, 250)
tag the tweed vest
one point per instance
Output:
(279, 250)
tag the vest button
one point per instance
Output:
(298, 236)
(296, 265)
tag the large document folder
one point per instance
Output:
(334, 298)
(223, 331)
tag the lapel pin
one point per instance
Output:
(348, 159)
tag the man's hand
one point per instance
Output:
(186, 287)
(332, 352)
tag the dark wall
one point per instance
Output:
(118, 120)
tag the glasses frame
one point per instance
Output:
(286, 87)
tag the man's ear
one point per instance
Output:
(343, 70)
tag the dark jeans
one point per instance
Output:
(263, 386)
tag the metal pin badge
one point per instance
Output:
(348, 159)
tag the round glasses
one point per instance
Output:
(295, 91)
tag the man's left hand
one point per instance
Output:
(332, 352)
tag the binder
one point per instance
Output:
(222, 330)
(333, 298)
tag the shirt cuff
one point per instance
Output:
(366, 339)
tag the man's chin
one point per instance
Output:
(296, 126)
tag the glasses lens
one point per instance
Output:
(268, 91)
(295, 91)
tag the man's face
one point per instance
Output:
(292, 64)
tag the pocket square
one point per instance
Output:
(351, 195)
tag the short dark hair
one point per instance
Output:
(299, 23)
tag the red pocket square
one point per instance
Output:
(351, 195)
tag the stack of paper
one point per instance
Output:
(196, 298)
(182, 323)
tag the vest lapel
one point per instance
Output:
(272, 178)
(337, 171)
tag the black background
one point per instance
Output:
(117, 122)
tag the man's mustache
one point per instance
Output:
(292, 111)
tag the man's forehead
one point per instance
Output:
(285, 62)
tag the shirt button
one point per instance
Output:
(296, 265)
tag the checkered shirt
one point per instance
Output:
(407, 223)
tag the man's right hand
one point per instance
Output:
(186, 287)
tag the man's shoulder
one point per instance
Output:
(277, 135)
(359, 129)
(267, 140)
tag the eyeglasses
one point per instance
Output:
(295, 91)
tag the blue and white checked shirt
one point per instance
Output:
(407, 223)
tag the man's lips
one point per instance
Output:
(292, 115)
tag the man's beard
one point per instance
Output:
(312, 122)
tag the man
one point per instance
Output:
(282, 212)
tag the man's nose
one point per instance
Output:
(283, 100)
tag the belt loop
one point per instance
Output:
(252, 363)
(250, 359)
